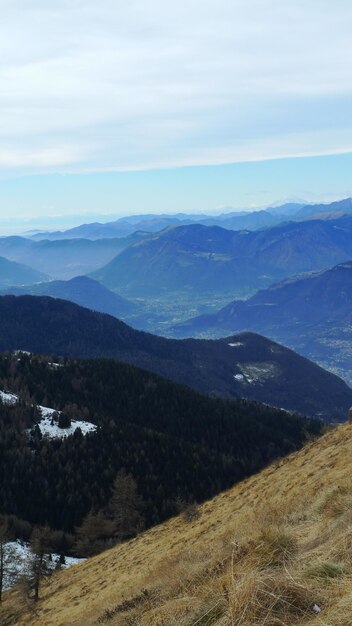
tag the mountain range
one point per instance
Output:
(152, 223)
(194, 258)
(211, 260)
(123, 227)
(245, 365)
(234, 220)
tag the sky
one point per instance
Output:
(110, 108)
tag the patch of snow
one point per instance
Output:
(17, 557)
(46, 427)
(8, 398)
(22, 352)
(237, 344)
(46, 411)
(53, 431)
(55, 366)
(239, 377)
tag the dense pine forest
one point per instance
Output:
(177, 446)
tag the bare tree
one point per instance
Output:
(93, 534)
(126, 506)
(39, 562)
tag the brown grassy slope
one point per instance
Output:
(263, 553)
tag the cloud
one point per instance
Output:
(95, 86)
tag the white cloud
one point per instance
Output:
(42, 157)
(88, 85)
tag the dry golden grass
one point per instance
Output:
(262, 554)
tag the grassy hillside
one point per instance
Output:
(276, 549)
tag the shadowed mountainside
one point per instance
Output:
(245, 365)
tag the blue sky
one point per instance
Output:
(155, 106)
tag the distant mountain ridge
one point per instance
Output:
(210, 259)
(245, 365)
(234, 220)
(343, 207)
(126, 226)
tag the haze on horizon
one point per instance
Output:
(150, 107)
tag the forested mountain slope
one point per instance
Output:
(176, 443)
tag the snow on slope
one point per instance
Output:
(8, 398)
(47, 425)
(52, 430)
(18, 556)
